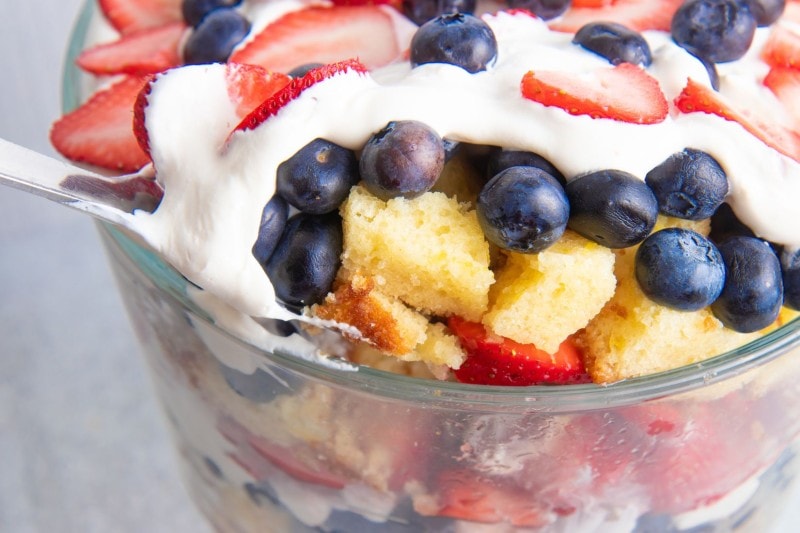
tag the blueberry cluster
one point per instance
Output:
(421, 11)
(216, 30)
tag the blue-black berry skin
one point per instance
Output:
(457, 39)
(304, 264)
(790, 267)
(717, 30)
(544, 9)
(502, 159)
(421, 11)
(405, 159)
(689, 184)
(195, 11)
(318, 177)
(213, 40)
(753, 293)
(611, 207)
(766, 11)
(523, 209)
(679, 268)
(615, 42)
(273, 220)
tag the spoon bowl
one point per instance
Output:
(109, 198)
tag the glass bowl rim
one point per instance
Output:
(559, 398)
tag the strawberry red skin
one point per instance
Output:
(495, 360)
(144, 51)
(100, 132)
(293, 89)
(323, 35)
(250, 85)
(128, 16)
(639, 15)
(696, 98)
(628, 94)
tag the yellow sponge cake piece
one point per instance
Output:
(428, 251)
(633, 336)
(543, 298)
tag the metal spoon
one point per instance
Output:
(112, 199)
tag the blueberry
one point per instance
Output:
(421, 11)
(790, 267)
(611, 207)
(213, 40)
(302, 70)
(195, 10)
(753, 291)
(523, 209)
(544, 9)
(273, 220)
(689, 184)
(615, 42)
(405, 159)
(680, 268)
(502, 159)
(318, 177)
(766, 11)
(304, 264)
(717, 30)
(457, 39)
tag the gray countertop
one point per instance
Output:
(83, 445)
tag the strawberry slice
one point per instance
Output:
(626, 93)
(697, 98)
(271, 105)
(465, 496)
(397, 4)
(144, 51)
(100, 131)
(257, 457)
(248, 87)
(324, 35)
(782, 48)
(639, 15)
(495, 360)
(132, 15)
(785, 84)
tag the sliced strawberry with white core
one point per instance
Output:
(100, 132)
(639, 15)
(697, 98)
(625, 93)
(134, 15)
(141, 52)
(293, 89)
(325, 35)
(250, 85)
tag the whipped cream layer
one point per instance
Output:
(216, 184)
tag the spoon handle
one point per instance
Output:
(110, 199)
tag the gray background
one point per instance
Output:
(83, 447)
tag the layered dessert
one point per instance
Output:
(512, 195)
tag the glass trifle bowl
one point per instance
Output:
(269, 441)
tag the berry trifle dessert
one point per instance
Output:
(439, 266)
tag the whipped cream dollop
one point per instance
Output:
(216, 184)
